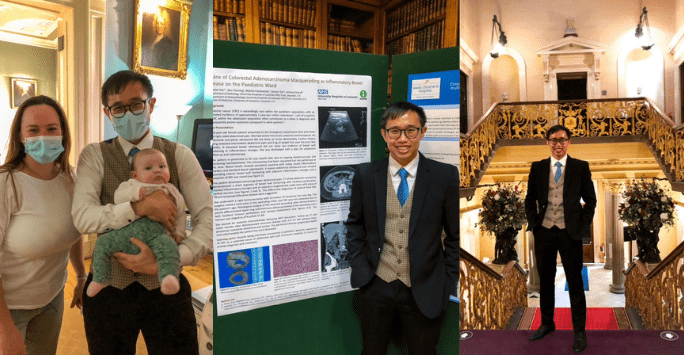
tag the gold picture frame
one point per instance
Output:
(22, 89)
(161, 37)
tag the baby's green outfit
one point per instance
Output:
(150, 232)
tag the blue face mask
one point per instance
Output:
(44, 149)
(131, 127)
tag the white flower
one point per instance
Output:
(497, 197)
(664, 216)
(664, 199)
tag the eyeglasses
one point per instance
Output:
(136, 108)
(410, 133)
(555, 141)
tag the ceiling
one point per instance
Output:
(24, 21)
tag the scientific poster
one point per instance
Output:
(285, 148)
(438, 94)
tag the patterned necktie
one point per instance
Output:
(558, 171)
(403, 191)
(133, 152)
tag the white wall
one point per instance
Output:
(530, 24)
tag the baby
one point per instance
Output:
(150, 173)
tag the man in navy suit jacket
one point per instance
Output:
(399, 207)
(558, 220)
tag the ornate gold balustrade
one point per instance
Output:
(658, 296)
(589, 119)
(489, 299)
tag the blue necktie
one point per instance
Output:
(403, 191)
(558, 171)
(133, 152)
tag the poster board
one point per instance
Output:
(287, 144)
(438, 94)
(326, 324)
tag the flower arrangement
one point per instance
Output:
(502, 208)
(646, 205)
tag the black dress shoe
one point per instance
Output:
(580, 342)
(543, 331)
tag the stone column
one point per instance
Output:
(618, 262)
(533, 277)
(609, 221)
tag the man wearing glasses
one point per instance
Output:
(398, 209)
(558, 221)
(116, 315)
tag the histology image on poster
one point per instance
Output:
(342, 127)
(244, 267)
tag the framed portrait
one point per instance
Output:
(22, 89)
(161, 37)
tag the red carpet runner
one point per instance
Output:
(601, 342)
(597, 319)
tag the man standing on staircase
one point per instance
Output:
(558, 220)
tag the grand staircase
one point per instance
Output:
(590, 121)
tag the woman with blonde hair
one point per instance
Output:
(37, 233)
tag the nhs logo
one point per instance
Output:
(322, 92)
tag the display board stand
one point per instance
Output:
(327, 324)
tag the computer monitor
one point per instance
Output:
(203, 145)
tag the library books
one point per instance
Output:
(412, 15)
(427, 38)
(297, 12)
(287, 36)
(345, 44)
(230, 6)
(339, 25)
(229, 29)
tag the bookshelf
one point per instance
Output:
(370, 26)
(230, 20)
(352, 26)
(418, 25)
(290, 23)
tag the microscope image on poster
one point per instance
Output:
(336, 182)
(342, 127)
(334, 246)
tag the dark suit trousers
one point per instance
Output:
(379, 303)
(546, 243)
(114, 318)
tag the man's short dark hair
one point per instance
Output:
(557, 128)
(398, 109)
(119, 80)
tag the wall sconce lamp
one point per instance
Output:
(181, 111)
(498, 40)
(643, 31)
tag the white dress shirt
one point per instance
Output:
(90, 216)
(563, 161)
(411, 167)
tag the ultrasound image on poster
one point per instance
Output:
(342, 127)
